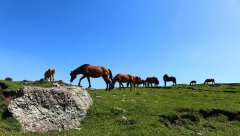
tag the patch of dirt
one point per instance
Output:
(187, 117)
(217, 112)
(230, 91)
(9, 95)
(178, 120)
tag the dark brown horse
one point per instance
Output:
(151, 81)
(193, 82)
(92, 71)
(143, 82)
(49, 74)
(123, 78)
(207, 81)
(166, 79)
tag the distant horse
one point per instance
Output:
(207, 81)
(136, 81)
(143, 82)
(151, 81)
(49, 74)
(166, 79)
(92, 71)
(194, 82)
(123, 78)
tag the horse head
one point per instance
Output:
(165, 77)
(111, 86)
(73, 76)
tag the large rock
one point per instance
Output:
(45, 109)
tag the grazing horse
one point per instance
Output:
(143, 82)
(49, 74)
(194, 82)
(92, 71)
(123, 78)
(209, 81)
(136, 81)
(151, 80)
(166, 79)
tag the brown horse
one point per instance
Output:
(136, 81)
(143, 82)
(123, 78)
(152, 80)
(92, 71)
(49, 74)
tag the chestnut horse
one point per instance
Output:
(123, 78)
(49, 74)
(136, 81)
(151, 80)
(166, 79)
(92, 71)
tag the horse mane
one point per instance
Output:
(82, 66)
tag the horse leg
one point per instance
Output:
(122, 85)
(131, 85)
(89, 82)
(107, 81)
(127, 84)
(79, 84)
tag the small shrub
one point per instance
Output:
(42, 80)
(8, 79)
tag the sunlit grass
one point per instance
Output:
(140, 112)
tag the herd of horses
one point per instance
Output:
(88, 71)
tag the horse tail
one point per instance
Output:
(110, 74)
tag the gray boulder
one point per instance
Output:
(46, 109)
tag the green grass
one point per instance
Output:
(154, 111)
(14, 85)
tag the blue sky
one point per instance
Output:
(192, 40)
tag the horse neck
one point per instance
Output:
(166, 78)
(114, 81)
(78, 71)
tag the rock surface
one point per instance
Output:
(46, 109)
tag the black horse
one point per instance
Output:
(207, 81)
(194, 82)
(166, 79)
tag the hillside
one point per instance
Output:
(180, 110)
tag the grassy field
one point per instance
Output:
(181, 110)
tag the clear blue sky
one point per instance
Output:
(189, 39)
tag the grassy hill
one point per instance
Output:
(180, 110)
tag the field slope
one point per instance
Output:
(180, 110)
